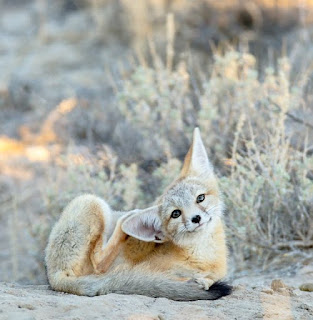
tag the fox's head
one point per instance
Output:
(189, 206)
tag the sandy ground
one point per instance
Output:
(253, 298)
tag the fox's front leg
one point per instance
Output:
(106, 253)
(204, 282)
(210, 273)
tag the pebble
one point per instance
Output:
(268, 291)
(307, 287)
(277, 285)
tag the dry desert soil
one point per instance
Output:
(259, 297)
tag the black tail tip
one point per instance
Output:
(220, 289)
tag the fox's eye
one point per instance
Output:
(200, 198)
(175, 214)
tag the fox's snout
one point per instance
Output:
(196, 219)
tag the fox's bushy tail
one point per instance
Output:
(132, 282)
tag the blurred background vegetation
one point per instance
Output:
(102, 96)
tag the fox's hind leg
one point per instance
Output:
(106, 251)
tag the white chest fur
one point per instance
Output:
(203, 246)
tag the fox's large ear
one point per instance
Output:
(145, 225)
(196, 161)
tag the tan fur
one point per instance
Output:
(170, 257)
(89, 240)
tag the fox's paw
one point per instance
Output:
(204, 283)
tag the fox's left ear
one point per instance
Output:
(196, 161)
(145, 225)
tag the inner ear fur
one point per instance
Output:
(145, 225)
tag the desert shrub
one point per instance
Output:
(268, 191)
(156, 101)
(269, 198)
(166, 173)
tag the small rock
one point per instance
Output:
(239, 287)
(306, 287)
(26, 306)
(277, 285)
(268, 291)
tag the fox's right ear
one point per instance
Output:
(196, 162)
(145, 225)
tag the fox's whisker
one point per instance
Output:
(212, 209)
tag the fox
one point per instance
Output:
(175, 249)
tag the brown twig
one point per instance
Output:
(294, 244)
(292, 116)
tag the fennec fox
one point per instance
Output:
(175, 249)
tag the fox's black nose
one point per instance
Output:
(196, 219)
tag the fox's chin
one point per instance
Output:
(207, 226)
(204, 227)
